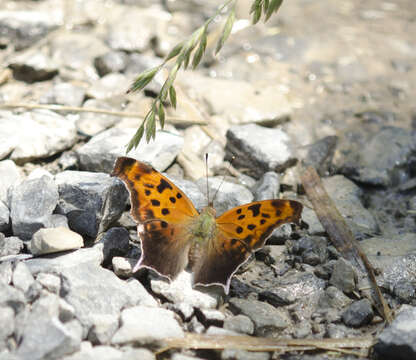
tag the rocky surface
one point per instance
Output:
(334, 92)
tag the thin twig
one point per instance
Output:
(55, 107)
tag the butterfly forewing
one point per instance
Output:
(152, 195)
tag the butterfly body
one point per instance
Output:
(174, 235)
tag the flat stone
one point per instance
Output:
(31, 205)
(229, 194)
(180, 291)
(101, 152)
(54, 133)
(398, 341)
(146, 325)
(90, 201)
(64, 94)
(259, 148)
(265, 317)
(359, 313)
(239, 323)
(48, 241)
(9, 175)
(56, 263)
(50, 282)
(22, 277)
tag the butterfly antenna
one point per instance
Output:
(223, 178)
(206, 173)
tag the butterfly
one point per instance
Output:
(175, 236)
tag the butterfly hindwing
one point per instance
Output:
(163, 213)
(240, 231)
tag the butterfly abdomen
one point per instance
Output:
(204, 226)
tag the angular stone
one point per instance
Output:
(141, 294)
(259, 148)
(91, 201)
(146, 325)
(265, 317)
(47, 241)
(55, 263)
(10, 296)
(115, 243)
(9, 175)
(10, 245)
(103, 328)
(180, 291)
(359, 313)
(123, 267)
(22, 277)
(113, 61)
(333, 297)
(229, 194)
(101, 152)
(240, 324)
(268, 187)
(64, 94)
(31, 205)
(343, 276)
(398, 341)
(54, 133)
(50, 282)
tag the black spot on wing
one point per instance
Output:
(172, 199)
(147, 192)
(164, 224)
(238, 211)
(278, 212)
(262, 221)
(137, 177)
(239, 229)
(178, 195)
(155, 202)
(241, 217)
(251, 226)
(150, 186)
(163, 185)
(255, 208)
(165, 211)
(267, 216)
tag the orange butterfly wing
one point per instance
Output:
(163, 212)
(240, 231)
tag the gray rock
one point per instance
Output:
(68, 160)
(22, 277)
(6, 272)
(103, 328)
(373, 165)
(115, 243)
(260, 149)
(50, 282)
(344, 276)
(48, 241)
(64, 94)
(54, 133)
(266, 318)
(93, 291)
(277, 297)
(359, 313)
(31, 205)
(137, 353)
(218, 331)
(22, 28)
(9, 175)
(398, 341)
(333, 297)
(4, 217)
(405, 291)
(101, 152)
(180, 291)
(76, 64)
(312, 249)
(10, 245)
(92, 123)
(314, 225)
(141, 294)
(229, 194)
(91, 201)
(113, 61)
(109, 86)
(210, 317)
(146, 325)
(347, 198)
(240, 324)
(7, 321)
(302, 330)
(132, 29)
(268, 187)
(103, 352)
(319, 154)
(231, 354)
(395, 256)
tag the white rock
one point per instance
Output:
(46, 241)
